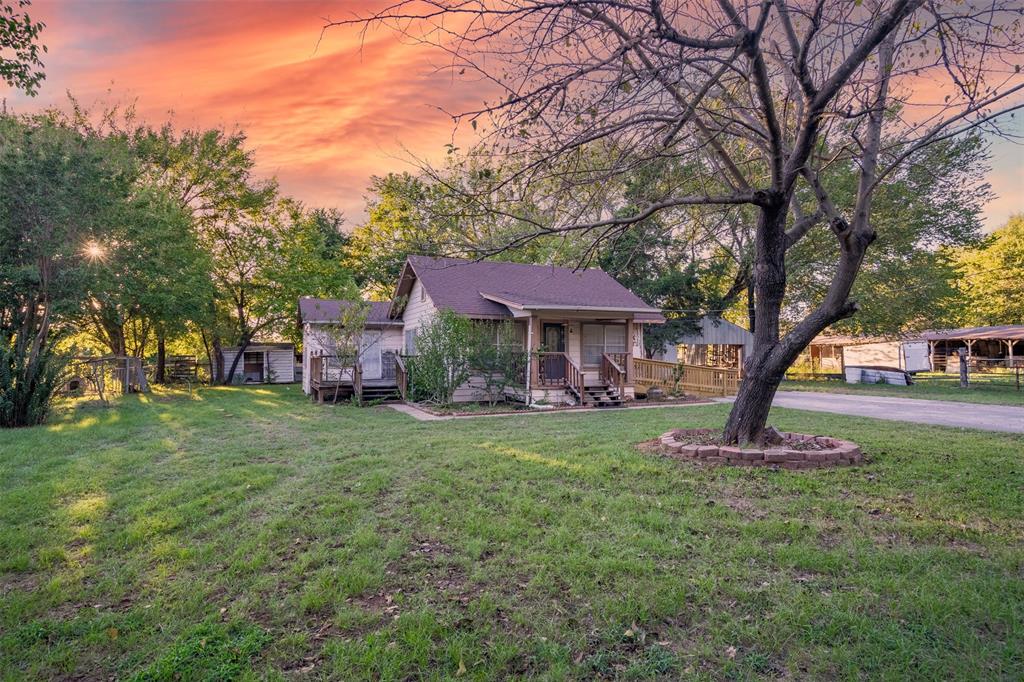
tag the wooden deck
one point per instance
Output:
(695, 379)
(348, 382)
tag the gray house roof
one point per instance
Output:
(329, 310)
(489, 289)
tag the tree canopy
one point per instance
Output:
(990, 277)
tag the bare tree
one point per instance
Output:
(757, 97)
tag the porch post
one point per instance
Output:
(533, 345)
(630, 337)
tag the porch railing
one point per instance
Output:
(613, 371)
(401, 376)
(690, 378)
(323, 374)
(558, 369)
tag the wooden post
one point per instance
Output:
(964, 381)
(533, 342)
(629, 351)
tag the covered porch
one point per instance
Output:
(581, 358)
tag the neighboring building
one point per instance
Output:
(986, 346)
(833, 354)
(716, 343)
(261, 363)
(582, 328)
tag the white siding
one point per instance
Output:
(278, 363)
(315, 341)
(882, 354)
(418, 310)
(638, 340)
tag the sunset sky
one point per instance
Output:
(322, 119)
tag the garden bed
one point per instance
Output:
(795, 451)
(474, 409)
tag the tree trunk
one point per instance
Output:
(766, 366)
(161, 357)
(218, 366)
(751, 311)
(238, 357)
(753, 401)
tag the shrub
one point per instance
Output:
(442, 360)
(497, 359)
(27, 386)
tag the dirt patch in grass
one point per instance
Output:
(18, 582)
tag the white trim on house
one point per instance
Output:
(577, 308)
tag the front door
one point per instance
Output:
(553, 340)
(371, 356)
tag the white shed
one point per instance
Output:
(909, 356)
(262, 363)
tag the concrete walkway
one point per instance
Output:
(1005, 418)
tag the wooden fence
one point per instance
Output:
(697, 379)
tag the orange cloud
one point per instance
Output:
(323, 115)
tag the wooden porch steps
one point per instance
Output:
(382, 393)
(601, 395)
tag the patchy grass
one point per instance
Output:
(248, 533)
(990, 388)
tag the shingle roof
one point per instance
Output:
(461, 285)
(329, 310)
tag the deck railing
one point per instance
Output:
(697, 379)
(613, 371)
(401, 376)
(326, 373)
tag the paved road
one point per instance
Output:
(944, 413)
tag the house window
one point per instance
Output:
(599, 339)
(410, 342)
(423, 293)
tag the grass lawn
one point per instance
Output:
(992, 389)
(251, 534)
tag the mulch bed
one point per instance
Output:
(505, 409)
(792, 451)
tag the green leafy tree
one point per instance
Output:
(991, 277)
(906, 280)
(57, 190)
(20, 63)
(147, 276)
(399, 224)
(263, 261)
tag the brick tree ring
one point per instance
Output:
(797, 451)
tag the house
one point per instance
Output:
(580, 329)
(715, 343)
(261, 363)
